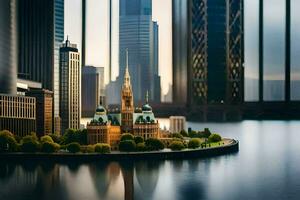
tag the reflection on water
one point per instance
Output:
(266, 167)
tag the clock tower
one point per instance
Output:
(127, 107)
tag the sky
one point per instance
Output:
(97, 34)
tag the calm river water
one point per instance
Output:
(266, 167)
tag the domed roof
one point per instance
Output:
(146, 108)
(100, 109)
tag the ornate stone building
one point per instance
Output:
(107, 127)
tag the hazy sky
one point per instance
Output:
(97, 34)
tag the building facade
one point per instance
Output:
(70, 84)
(18, 114)
(109, 127)
(8, 46)
(92, 90)
(44, 110)
(212, 69)
(139, 34)
(40, 32)
(177, 124)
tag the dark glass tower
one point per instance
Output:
(8, 46)
(41, 31)
(139, 34)
(215, 52)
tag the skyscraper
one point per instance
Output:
(138, 34)
(41, 31)
(70, 83)
(92, 90)
(214, 51)
(8, 46)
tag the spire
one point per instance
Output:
(147, 97)
(126, 76)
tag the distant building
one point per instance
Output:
(92, 90)
(18, 114)
(108, 127)
(40, 32)
(70, 82)
(177, 124)
(44, 110)
(8, 46)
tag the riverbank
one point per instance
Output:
(231, 146)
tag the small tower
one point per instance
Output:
(127, 107)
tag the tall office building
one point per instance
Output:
(41, 31)
(92, 90)
(17, 114)
(8, 46)
(139, 34)
(70, 83)
(214, 38)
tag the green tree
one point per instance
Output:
(46, 138)
(193, 134)
(127, 136)
(56, 138)
(194, 143)
(184, 133)
(7, 142)
(214, 138)
(90, 149)
(30, 143)
(127, 145)
(176, 145)
(141, 147)
(177, 135)
(102, 148)
(154, 144)
(138, 139)
(206, 132)
(73, 147)
(50, 147)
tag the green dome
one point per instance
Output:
(146, 108)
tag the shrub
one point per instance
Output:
(102, 148)
(176, 146)
(138, 139)
(184, 133)
(46, 138)
(214, 138)
(194, 143)
(177, 135)
(30, 143)
(7, 142)
(127, 145)
(73, 147)
(193, 134)
(154, 144)
(141, 147)
(90, 149)
(127, 136)
(50, 147)
(56, 138)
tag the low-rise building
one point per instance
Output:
(177, 124)
(18, 114)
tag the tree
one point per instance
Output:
(138, 139)
(102, 148)
(50, 147)
(46, 138)
(154, 144)
(127, 136)
(177, 135)
(141, 147)
(30, 143)
(176, 145)
(73, 147)
(56, 138)
(194, 143)
(184, 133)
(214, 138)
(206, 132)
(193, 134)
(127, 145)
(90, 149)
(7, 142)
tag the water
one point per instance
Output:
(266, 167)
